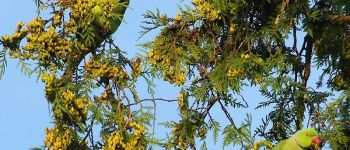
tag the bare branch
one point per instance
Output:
(155, 99)
(227, 114)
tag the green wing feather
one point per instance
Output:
(280, 145)
(301, 140)
(288, 144)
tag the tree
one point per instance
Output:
(211, 49)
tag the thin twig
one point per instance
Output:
(129, 102)
(154, 120)
(89, 130)
(227, 114)
(210, 104)
(155, 99)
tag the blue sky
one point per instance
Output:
(24, 112)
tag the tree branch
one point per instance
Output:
(308, 57)
(155, 99)
(336, 19)
(227, 114)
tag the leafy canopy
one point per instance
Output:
(211, 49)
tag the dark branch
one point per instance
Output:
(337, 19)
(227, 114)
(155, 99)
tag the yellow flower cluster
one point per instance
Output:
(136, 68)
(48, 79)
(7, 40)
(245, 56)
(183, 103)
(43, 45)
(81, 14)
(57, 19)
(58, 138)
(180, 97)
(232, 28)
(177, 77)
(13, 42)
(82, 8)
(157, 59)
(66, 3)
(206, 10)
(260, 143)
(118, 141)
(235, 73)
(182, 144)
(96, 69)
(258, 80)
(49, 45)
(106, 97)
(178, 17)
(172, 74)
(76, 106)
(71, 27)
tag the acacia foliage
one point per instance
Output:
(223, 46)
(212, 49)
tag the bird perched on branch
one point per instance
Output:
(118, 10)
(306, 139)
(99, 28)
(103, 24)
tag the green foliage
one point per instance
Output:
(335, 122)
(223, 46)
(212, 50)
(215, 126)
(241, 136)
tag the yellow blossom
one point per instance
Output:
(58, 138)
(232, 28)
(245, 56)
(178, 17)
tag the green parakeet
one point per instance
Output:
(101, 20)
(306, 139)
(118, 10)
(98, 27)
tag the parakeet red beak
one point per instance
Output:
(316, 143)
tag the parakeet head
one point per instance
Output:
(308, 138)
